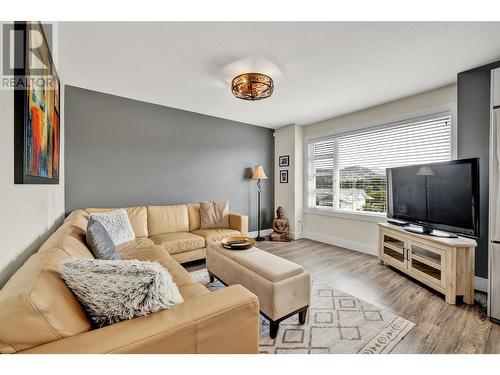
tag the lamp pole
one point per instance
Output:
(259, 175)
(259, 190)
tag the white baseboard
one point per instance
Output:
(267, 232)
(351, 245)
(263, 232)
(480, 283)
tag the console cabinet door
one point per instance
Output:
(393, 249)
(427, 263)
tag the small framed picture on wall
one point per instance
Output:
(285, 161)
(284, 176)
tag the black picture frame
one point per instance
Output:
(284, 176)
(22, 109)
(284, 161)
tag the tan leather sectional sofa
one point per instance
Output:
(177, 229)
(40, 314)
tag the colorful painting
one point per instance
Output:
(37, 115)
(42, 134)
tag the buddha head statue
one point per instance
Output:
(280, 212)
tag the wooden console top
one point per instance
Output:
(455, 242)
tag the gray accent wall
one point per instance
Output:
(121, 152)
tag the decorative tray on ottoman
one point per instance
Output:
(238, 243)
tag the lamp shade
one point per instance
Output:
(425, 171)
(258, 173)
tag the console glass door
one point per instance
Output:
(394, 250)
(426, 262)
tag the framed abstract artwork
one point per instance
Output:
(36, 108)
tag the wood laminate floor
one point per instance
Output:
(440, 328)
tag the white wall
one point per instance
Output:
(419, 102)
(29, 213)
(496, 87)
(299, 182)
(288, 140)
(358, 234)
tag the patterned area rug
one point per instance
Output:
(337, 323)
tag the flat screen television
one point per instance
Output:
(442, 196)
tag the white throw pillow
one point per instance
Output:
(116, 290)
(117, 224)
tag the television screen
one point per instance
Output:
(442, 196)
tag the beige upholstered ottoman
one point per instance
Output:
(282, 286)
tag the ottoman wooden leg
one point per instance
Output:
(302, 315)
(273, 328)
(211, 277)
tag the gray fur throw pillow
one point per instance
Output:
(116, 290)
(117, 225)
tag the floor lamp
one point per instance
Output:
(259, 175)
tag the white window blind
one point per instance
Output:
(347, 172)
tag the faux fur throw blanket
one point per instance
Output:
(116, 290)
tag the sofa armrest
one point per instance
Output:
(223, 321)
(239, 222)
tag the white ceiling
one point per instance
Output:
(321, 70)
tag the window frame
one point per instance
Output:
(445, 110)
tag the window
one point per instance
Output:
(347, 171)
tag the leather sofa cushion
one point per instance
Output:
(194, 216)
(77, 218)
(215, 235)
(137, 243)
(189, 256)
(37, 307)
(189, 291)
(156, 253)
(179, 274)
(179, 242)
(70, 237)
(167, 219)
(145, 251)
(138, 217)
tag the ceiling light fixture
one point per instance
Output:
(252, 86)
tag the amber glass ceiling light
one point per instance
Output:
(252, 86)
